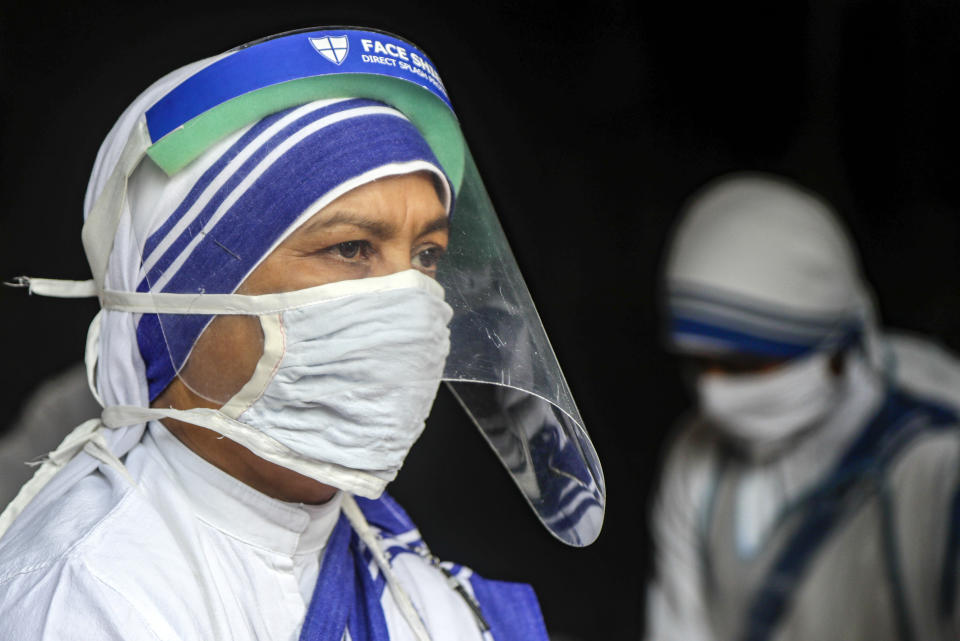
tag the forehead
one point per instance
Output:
(415, 189)
(384, 206)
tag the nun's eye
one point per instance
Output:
(352, 248)
(428, 258)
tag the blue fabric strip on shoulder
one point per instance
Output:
(386, 514)
(367, 621)
(878, 443)
(511, 610)
(348, 597)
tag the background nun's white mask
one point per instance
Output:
(769, 409)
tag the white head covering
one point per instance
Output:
(112, 338)
(121, 379)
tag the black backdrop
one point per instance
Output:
(590, 125)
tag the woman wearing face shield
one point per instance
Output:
(265, 241)
(813, 493)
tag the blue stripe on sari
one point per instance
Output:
(348, 597)
(334, 596)
(511, 610)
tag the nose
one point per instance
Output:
(394, 257)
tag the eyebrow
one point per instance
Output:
(376, 227)
(440, 223)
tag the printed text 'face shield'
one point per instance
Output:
(340, 251)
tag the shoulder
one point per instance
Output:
(49, 588)
(924, 368)
(104, 548)
(65, 600)
(929, 462)
(922, 460)
(689, 467)
(59, 529)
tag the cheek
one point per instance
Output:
(224, 357)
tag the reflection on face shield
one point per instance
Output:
(535, 440)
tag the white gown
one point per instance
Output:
(719, 524)
(191, 554)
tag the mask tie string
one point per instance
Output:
(366, 533)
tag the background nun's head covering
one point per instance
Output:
(760, 266)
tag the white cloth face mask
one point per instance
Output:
(766, 409)
(349, 381)
(348, 374)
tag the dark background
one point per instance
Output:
(590, 126)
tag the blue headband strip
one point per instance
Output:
(292, 57)
(690, 334)
(707, 322)
(229, 235)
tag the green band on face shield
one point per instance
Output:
(434, 119)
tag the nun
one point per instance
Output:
(812, 493)
(289, 259)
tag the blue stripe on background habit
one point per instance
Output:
(951, 561)
(736, 340)
(761, 311)
(827, 507)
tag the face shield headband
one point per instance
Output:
(501, 366)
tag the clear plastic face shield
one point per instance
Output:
(353, 289)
